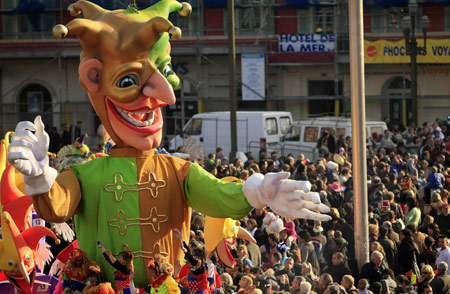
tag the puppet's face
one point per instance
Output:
(129, 102)
(125, 68)
(20, 271)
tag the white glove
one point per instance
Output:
(28, 154)
(57, 268)
(44, 255)
(63, 229)
(288, 198)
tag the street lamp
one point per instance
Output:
(409, 31)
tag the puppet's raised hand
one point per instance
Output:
(28, 154)
(285, 197)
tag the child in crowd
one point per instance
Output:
(96, 284)
(162, 281)
(123, 264)
(198, 275)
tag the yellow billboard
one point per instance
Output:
(382, 51)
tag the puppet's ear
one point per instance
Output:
(90, 71)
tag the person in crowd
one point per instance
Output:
(429, 255)
(407, 252)
(308, 252)
(242, 254)
(413, 214)
(425, 278)
(96, 284)
(441, 282)
(443, 250)
(162, 281)
(372, 270)
(348, 282)
(123, 276)
(363, 287)
(308, 272)
(338, 267)
(389, 247)
(305, 288)
(388, 281)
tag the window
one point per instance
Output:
(35, 102)
(311, 134)
(252, 18)
(447, 18)
(389, 20)
(376, 133)
(285, 124)
(318, 20)
(304, 20)
(271, 126)
(294, 133)
(194, 128)
(323, 19)
(28, 19)
(35, 99)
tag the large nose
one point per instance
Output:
(158, 87)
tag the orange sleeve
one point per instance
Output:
(62, 201)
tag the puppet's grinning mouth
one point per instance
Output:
(147, 117)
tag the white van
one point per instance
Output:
(254, 128)
(304, 134)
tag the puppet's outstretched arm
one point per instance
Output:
(220, 199)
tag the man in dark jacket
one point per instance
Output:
(390, 249)
(372, 270)
(441, 282)
(338, 268)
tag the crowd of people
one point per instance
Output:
(409, 225)
(409, 221)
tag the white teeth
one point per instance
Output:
(127, 116)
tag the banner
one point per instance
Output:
(382, 51)
(306, 43)
(253, 80)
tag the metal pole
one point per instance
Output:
(357, 89)
(232, 77)
(183, 111)
(413, 46)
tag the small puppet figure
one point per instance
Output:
(123, 276)
(162, 278)
(96, 284)
(81, 149)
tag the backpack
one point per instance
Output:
(317, 246)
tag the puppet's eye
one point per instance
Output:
(27, 257)
(167, 70)
(127, 81)
(10, 263)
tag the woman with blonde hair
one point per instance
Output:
(426, 276)
(308, 273)
(242, 253)
(227, 283)
(246, 285)
(424, 225)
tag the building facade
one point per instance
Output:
(291, 55)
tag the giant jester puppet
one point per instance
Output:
(134, 197)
